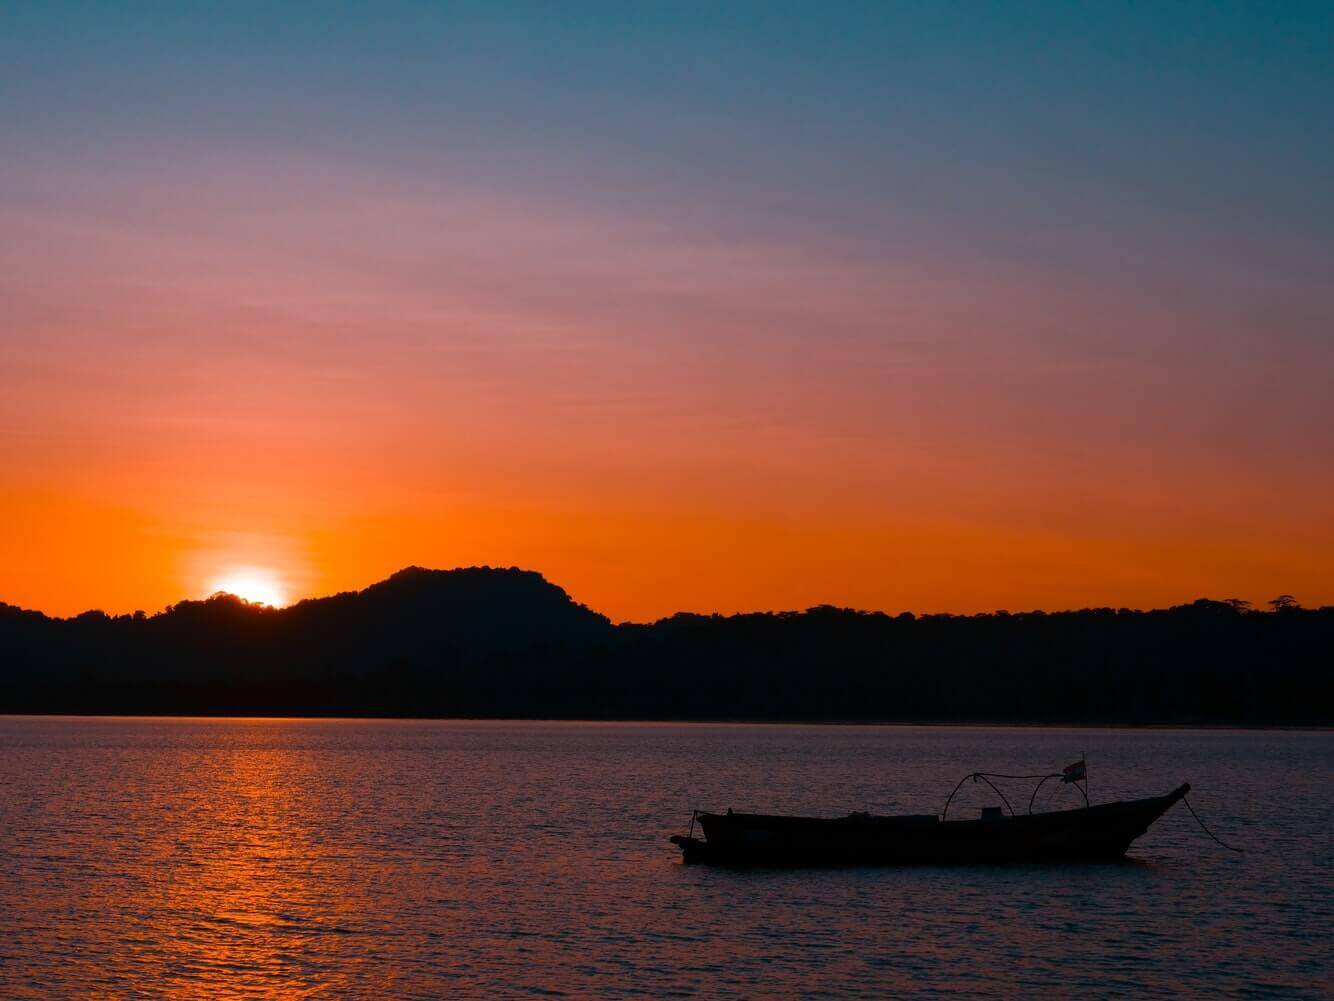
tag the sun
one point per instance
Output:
(255, 584)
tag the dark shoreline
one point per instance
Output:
(482, 643)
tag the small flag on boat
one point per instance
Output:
(1073, 773)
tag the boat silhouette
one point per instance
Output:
(1090, 833)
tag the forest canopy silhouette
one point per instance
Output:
(483, 642)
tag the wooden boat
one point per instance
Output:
(1099, 833)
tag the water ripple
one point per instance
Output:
(257, 859)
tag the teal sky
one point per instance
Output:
(980, 108)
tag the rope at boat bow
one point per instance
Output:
(1206, 830)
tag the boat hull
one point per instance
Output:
(1090, 834)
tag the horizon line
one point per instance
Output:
(1240, 605)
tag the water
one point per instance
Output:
(301, 858)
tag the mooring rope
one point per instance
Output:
(1206, 830)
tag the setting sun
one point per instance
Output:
(254, 584)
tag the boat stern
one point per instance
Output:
(692, 849)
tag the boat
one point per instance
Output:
(1090, 833)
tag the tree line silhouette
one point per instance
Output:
(506, 642)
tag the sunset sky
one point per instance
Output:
(712, 306)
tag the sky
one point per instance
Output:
(689, 306)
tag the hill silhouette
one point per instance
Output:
(506, 642)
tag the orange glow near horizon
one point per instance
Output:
(654, 416)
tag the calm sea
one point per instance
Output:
(305, 858)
